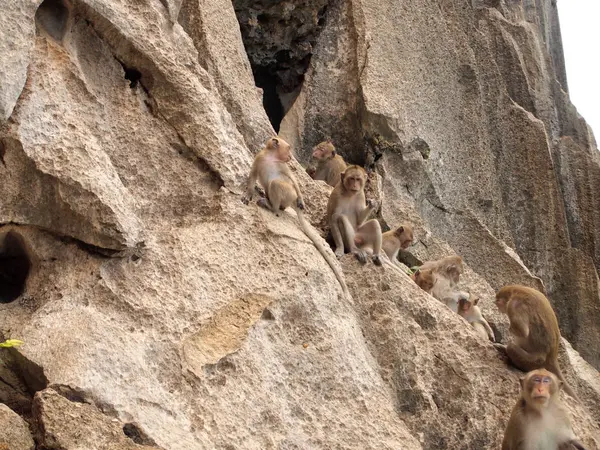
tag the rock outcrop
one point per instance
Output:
(158, 311)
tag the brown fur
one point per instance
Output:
(538, 420)
(534, 328)
(282, 190)
(329, 166)
(347, 211)
(446, 274)
(394, 240)
(424, 279)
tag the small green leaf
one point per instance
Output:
(11, 343)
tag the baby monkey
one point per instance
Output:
(467, 308)
(395, 240)
(330, 165)
(539, 421)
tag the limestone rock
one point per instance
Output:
(165, 313)
(14, 432)
(76, 425)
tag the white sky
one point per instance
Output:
(580, 29)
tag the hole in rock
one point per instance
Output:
(14, 266)
(133, 75)
(135, 433)
(52, 16)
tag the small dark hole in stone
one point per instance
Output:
(133, 432)
(133, 75)
(262, 19)
(267, 314)
(52, 16)
(14, 267)
(135, 258)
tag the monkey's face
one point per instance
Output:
(354, 180)
(425, 280)
(464, 306)
(323, 151)
(539, 386)
(501, 302)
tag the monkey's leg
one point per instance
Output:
(524, 360)
(370, 233)
(351, 238)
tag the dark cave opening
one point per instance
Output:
(14, 267)
(53, 16)
(279, 38)
(271, 101)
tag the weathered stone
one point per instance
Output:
(218, 325)
(65, 424)
(14, 431)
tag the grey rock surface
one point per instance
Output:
(164, 313)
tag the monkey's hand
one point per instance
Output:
(300, 204)
(339, 252)
(372, 204)
(311, 170)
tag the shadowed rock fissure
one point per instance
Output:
(279, 39)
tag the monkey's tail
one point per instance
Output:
(553, 367)
(318, 242)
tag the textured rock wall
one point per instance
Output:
(158, 311)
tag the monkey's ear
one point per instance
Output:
(475, 300)
(522, 382)
(400, 230)
(560, 384)
(333, 153)
(342, 176)
(275, 142)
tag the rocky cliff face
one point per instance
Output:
(158, 311)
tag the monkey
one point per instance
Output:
(534, 328)
(330, 165)
(347, 211)
(538, 420)
(424, 279)
(439, 278)
(282, 190)
(394, 240)
(468, 309)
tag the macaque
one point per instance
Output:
(282, 190)
(539, 421)
(347, 211)
(330, 165)
(468, 309)
(424, 279)
(445, 273)
(534, 328)
(395, 240)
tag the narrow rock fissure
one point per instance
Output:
(15, 266)
(279, 39)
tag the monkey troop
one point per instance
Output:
(538, 420)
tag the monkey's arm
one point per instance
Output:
(488, 329)
(361, 216)
(334, 225)
(523, 359)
